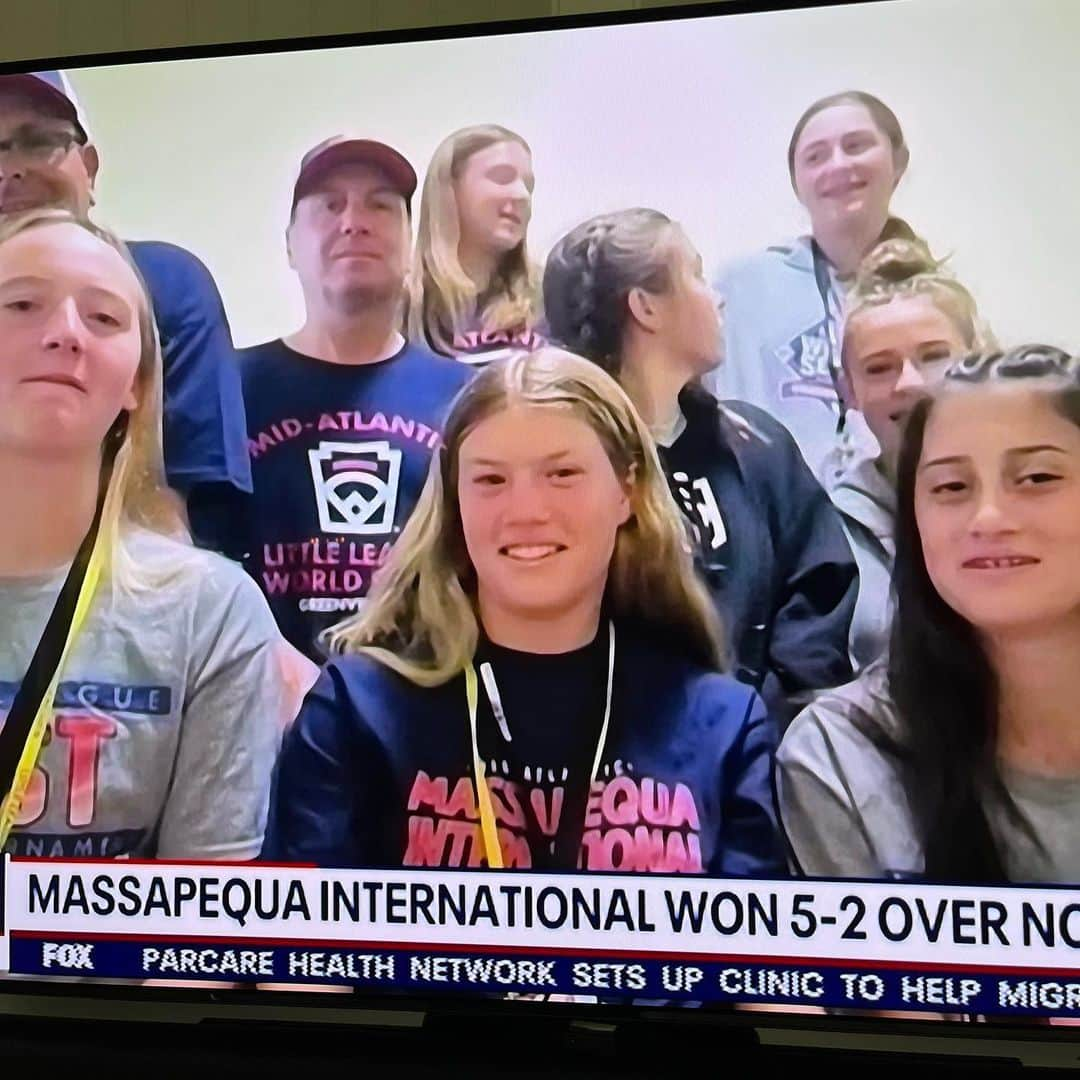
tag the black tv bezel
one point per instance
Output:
(365, 1007)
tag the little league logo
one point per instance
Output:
(356, 486)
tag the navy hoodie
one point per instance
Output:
(771, 547)
(377, 772)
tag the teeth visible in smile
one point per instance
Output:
(1001, 564)
(529, 552)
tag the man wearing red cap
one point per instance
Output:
(47, 160)
(342, 415)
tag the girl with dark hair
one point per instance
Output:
(846, 156)
(958, 758)
(626, 290)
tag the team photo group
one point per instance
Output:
(599, 558)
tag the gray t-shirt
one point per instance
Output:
(168, 713)
(846, 812)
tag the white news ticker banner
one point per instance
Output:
(966, 927)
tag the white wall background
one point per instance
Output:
(690, 116)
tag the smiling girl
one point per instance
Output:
(533, 682)
(784, 306)
(959, 760)
(907, 317)
(474, 293)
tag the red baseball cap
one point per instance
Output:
(339, 150)
(46, 89)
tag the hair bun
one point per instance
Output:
(895, 261)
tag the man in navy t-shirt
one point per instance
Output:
(342, 415)
(46, 159)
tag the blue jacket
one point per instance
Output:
(772, 549)
(205, 433)
(377, 772)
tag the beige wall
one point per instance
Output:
(692, 117)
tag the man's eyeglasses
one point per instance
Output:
(39, 146)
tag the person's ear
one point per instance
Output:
(901, 158)
(131, 399)
(643, 309)
(629, 486)
(91, 163)
(288, 246)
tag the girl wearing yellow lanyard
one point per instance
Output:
(534, 681)
(152, 728)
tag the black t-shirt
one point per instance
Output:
(553, 706)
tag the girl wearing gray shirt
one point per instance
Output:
(166, 719)
(906, 318)
(957, 757)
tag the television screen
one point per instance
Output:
(560, 514)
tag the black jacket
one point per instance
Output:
(770, 546)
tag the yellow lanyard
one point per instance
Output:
(492, 848)
(12, 804)
(99, 554)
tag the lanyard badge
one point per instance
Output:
(488, 828)
(27, 724)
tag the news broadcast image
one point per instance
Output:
(585, 514)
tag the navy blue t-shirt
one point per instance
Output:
(204, 431)
(339, 454)
(377, 772)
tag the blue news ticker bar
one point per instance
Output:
(650, 980)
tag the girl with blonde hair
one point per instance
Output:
(906, 318)
(534, 681)
(142, 678)
(474, 292)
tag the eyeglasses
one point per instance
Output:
(39, 146)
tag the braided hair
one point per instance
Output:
(591, 272)
(940, 677)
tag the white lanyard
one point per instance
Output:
(492, 848)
